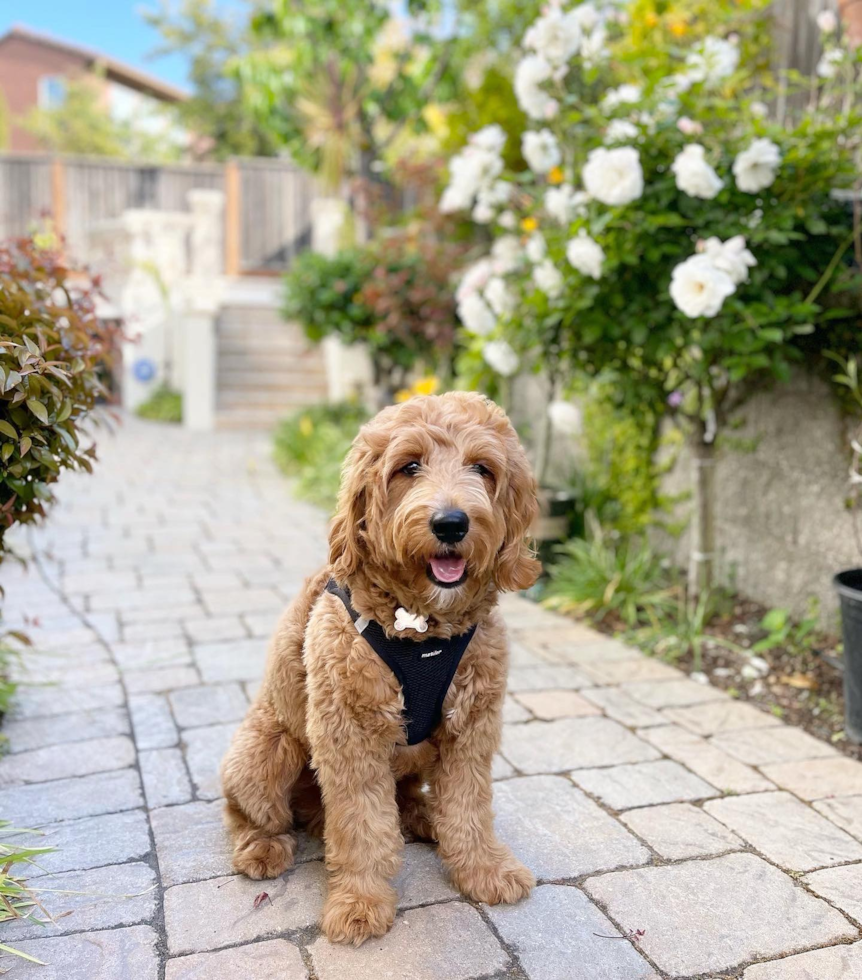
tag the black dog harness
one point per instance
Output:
(424, 668)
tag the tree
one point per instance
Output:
(213, 39)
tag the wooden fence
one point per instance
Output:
(267, 201)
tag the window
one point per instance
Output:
(52, 91)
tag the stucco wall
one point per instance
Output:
(783, 525)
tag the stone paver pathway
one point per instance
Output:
(674, 832)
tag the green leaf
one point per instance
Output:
(25, 445)
(8, 429)
(38, 409)
(31, 345)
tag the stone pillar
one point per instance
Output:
(199, 357)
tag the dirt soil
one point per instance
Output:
(798, 684)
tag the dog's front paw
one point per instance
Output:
(355, 918)
(264, 857)
(506, 882)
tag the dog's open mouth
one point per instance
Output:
(447, 571)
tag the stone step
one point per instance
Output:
(239, 316)
(253, 418)
(240, 374)
(275, 398)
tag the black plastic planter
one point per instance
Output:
(848, 585)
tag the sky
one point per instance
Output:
(113, 27)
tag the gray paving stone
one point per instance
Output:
(845, 811)
(786, 831)
(116, 954)
(67, 799)
(680, 830)
(558, 832)
(274, 959)
(761, 746)
(223, 602)
(841, 886)
(160, 679)
(191, 842)
(149, 654)
(211, 704)
(261, 624)
(210, 914)
(91, 842)
(672, 694)
(816, 779)
(500, 768)
(547, 677)
(160, 599)
(723, 716)
(422, 879)
(418, 947)
(550, 705)
(85, 901)
(837, 963)
(710, 916)
(558, 929)
(643, 784)
(37, 733)
(236, 660)
(215, 628)
(153, 722)
(205, 748)
(706, 760)
(167, 629)
(43, 702)
(74, 759)
(622, 708)
(514, 712)
(71, 675)
(572, 743)
(166, 781)
(639, 668)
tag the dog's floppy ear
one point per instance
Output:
(346, 533)
(517, 568)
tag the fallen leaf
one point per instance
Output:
(264, 896)
(804, 682)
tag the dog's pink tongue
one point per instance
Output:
(447, 569)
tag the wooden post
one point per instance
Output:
(232, 219)
(58, 195)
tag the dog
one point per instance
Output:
(436, 503)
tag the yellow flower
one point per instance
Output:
(403, 396)
(651, 19)
(678, 28)
(426, 386)
(306, 426)
(556, 175)
(529, 224)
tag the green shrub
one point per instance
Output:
(624, 582)
(311, 445)
(164, 405)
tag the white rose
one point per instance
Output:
(565, 417)
(548, 278)
(536, 248)
(532, 72)
(491, 138)
(698, 288)
(507, 220)
(555, 36)
(621, 131)
(758, 109)
(500, 297)
(500, 356)
(756, 166)
(827, 67)
(564, 204)
(624, 95)
(689, 127)
(827, 21)
(586, 255)
(541, 150)
(694, 176)
(731, 257)
(594, 46)
(471, 170)
(587, 17)
(506, 254)
(475, 278)
(714, 60)
(476, 315)
(614, 177)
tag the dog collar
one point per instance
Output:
(424, 668)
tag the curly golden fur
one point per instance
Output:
(324, 742)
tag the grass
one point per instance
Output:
(17, 899)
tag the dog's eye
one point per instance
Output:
(411, 469)
(481, 469)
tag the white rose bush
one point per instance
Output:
(664, 233)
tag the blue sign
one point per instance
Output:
(144, 369)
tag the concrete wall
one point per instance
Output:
(783, 526)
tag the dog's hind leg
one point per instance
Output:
(414, 807)
(258, 775)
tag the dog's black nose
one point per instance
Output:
(450, 526)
